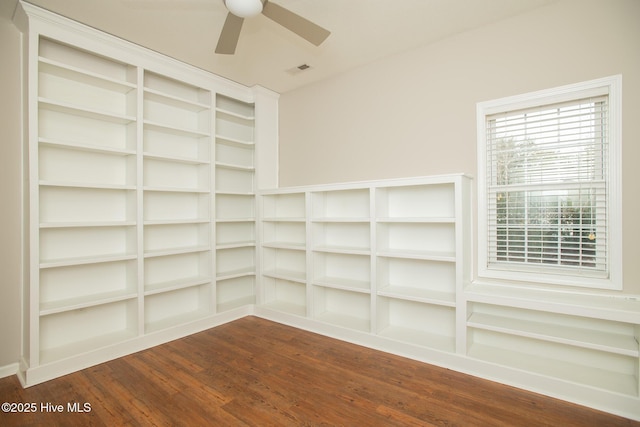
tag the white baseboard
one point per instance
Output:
(626, 406)
(8, 370)
(30, 376)
(614, 403)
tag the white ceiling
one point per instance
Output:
(361, 32)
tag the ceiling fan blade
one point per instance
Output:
(306, 29)
(229, 35)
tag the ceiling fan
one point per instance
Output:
(241, 9)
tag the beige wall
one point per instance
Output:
(10, 188)
(414, 114)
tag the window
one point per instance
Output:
(549, 194)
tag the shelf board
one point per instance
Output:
(285, 274)
(159, 96)
(228, 140)
(84, 346)
(428, 296)
(51, 66)
(352, 285)
(176, 190)
(420, 338)
(232, 166)
(230, 113)
(162, 127)
(176, 221)
(96, 186)
(587, 338)
(235, 245)
(67, 262)
(53, 307)
(590, 376)
(233, 274)
(176, 251)
(68, 108)
(435, 220)
(422, 255)
(177, 159)
(71, 145)
(343, 250)
(173, 285)
(229, 220)
(297, 246)
(235, 193)
(81, 224)
(284, 219)
(623, 309)
(341, 219)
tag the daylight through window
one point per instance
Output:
(547, 188)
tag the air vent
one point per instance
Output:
(299, 69)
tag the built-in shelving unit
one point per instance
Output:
(283, 230)
(86, 200)
(528, 330)
(235, 203)
(341, 257)
(176, 184)
(382, 257)
(417, 254)
(141, 196)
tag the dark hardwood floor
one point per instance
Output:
(253, 372)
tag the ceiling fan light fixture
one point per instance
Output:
(244, 8)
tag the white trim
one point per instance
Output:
(8, 370)
(614, 403)
(45, 372)
(608, 85)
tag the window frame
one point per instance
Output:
(541, 274)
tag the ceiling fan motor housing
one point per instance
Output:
(244, 8)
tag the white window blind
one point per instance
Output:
(547, 188)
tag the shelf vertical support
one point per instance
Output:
(266, 137)
(139, 144)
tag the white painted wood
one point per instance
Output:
(236, 260)
(127, 186)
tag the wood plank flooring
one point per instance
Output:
(253, 372)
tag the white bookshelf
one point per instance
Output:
(176, 306)
(340, 248)
(176, 195)
(419, 322)
(85, 155)
(539, 333)
(419, 246)
(283, 238)
(346, 308)
(140, 189)
(381, 257)
(235, 203)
